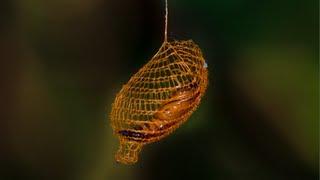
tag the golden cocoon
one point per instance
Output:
(158, 98)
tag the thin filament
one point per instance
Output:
(166, 22)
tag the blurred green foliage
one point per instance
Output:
(62, 63)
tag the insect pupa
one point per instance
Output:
(159, 97)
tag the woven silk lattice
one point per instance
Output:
(159, 97)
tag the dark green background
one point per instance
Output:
(62, 63)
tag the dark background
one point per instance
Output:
(62, 63)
